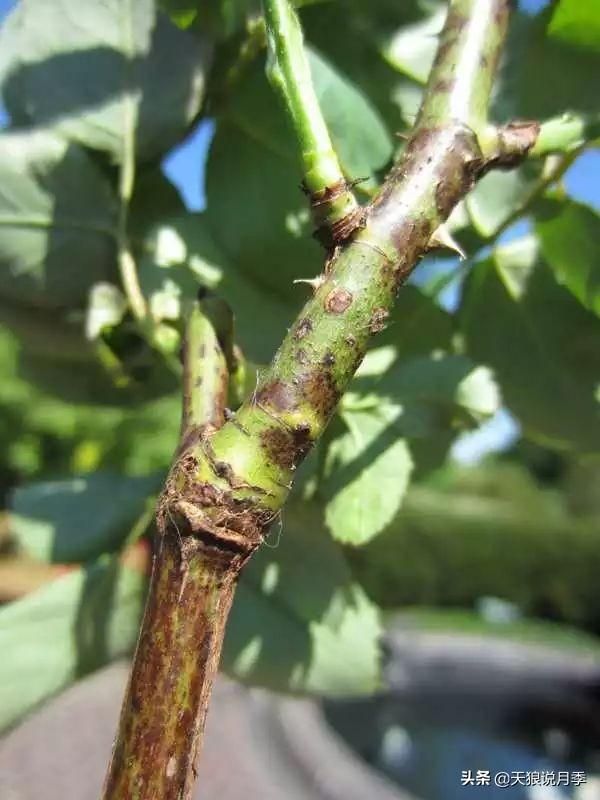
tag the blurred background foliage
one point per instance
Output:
(463, 458)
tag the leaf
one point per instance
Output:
(360, 54)
(298, 622)
(78, 519)
(55, 206)
(92, 70)
(106, 308)
(412, 48)
(495, 197)
(431, 391)
(569, 234)
(63, 631)
(576, 23)
(541, 76)
(270, 241)
(540, 342)
(366, 474)
(359, 135)
(183, 255)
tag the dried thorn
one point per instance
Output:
(316, 283)
(443, 238)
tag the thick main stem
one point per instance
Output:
(229, 481)
(163, 715)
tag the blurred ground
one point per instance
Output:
(453, 702)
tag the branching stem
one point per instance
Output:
(335, 208)
(229, 481)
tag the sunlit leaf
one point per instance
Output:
(540, 342)
(55, 206)
(569, 235)
(78, 519)
(299, 622)
(367, 473)
(102, 71)
(576, 23)
(63, 631)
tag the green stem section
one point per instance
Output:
(462, 75)
(229, 481)
(207, 356)
(335, 208)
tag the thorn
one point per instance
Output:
(316, 283)
(443, 238)
(402, 135)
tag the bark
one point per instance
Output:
(230, 479)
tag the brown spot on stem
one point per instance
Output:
(443, 50)
(338, 300)
(301, 356)
(277, 394)
(303, 328)
(455, 21)
(378, 319)
(319, 390)
(443, 86)
(286, 448)
(457, 180)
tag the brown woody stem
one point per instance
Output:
(191, 590)
(229, 481)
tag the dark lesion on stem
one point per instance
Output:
(336, 213)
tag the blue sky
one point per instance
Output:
(185, 168)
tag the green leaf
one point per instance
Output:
(57, 221)
(92, 70)
(106, 308)
(431, 391)
(569, 234)
(298, 622)
(361, 53)
(184, 255)
(257, 214)
(78, 519)
(540, 342)
(495, 197)
(63, 631)
(366, 474)
(541, 76)
(181, 12)
(577, 23)
(411, 49)
(359, 136)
